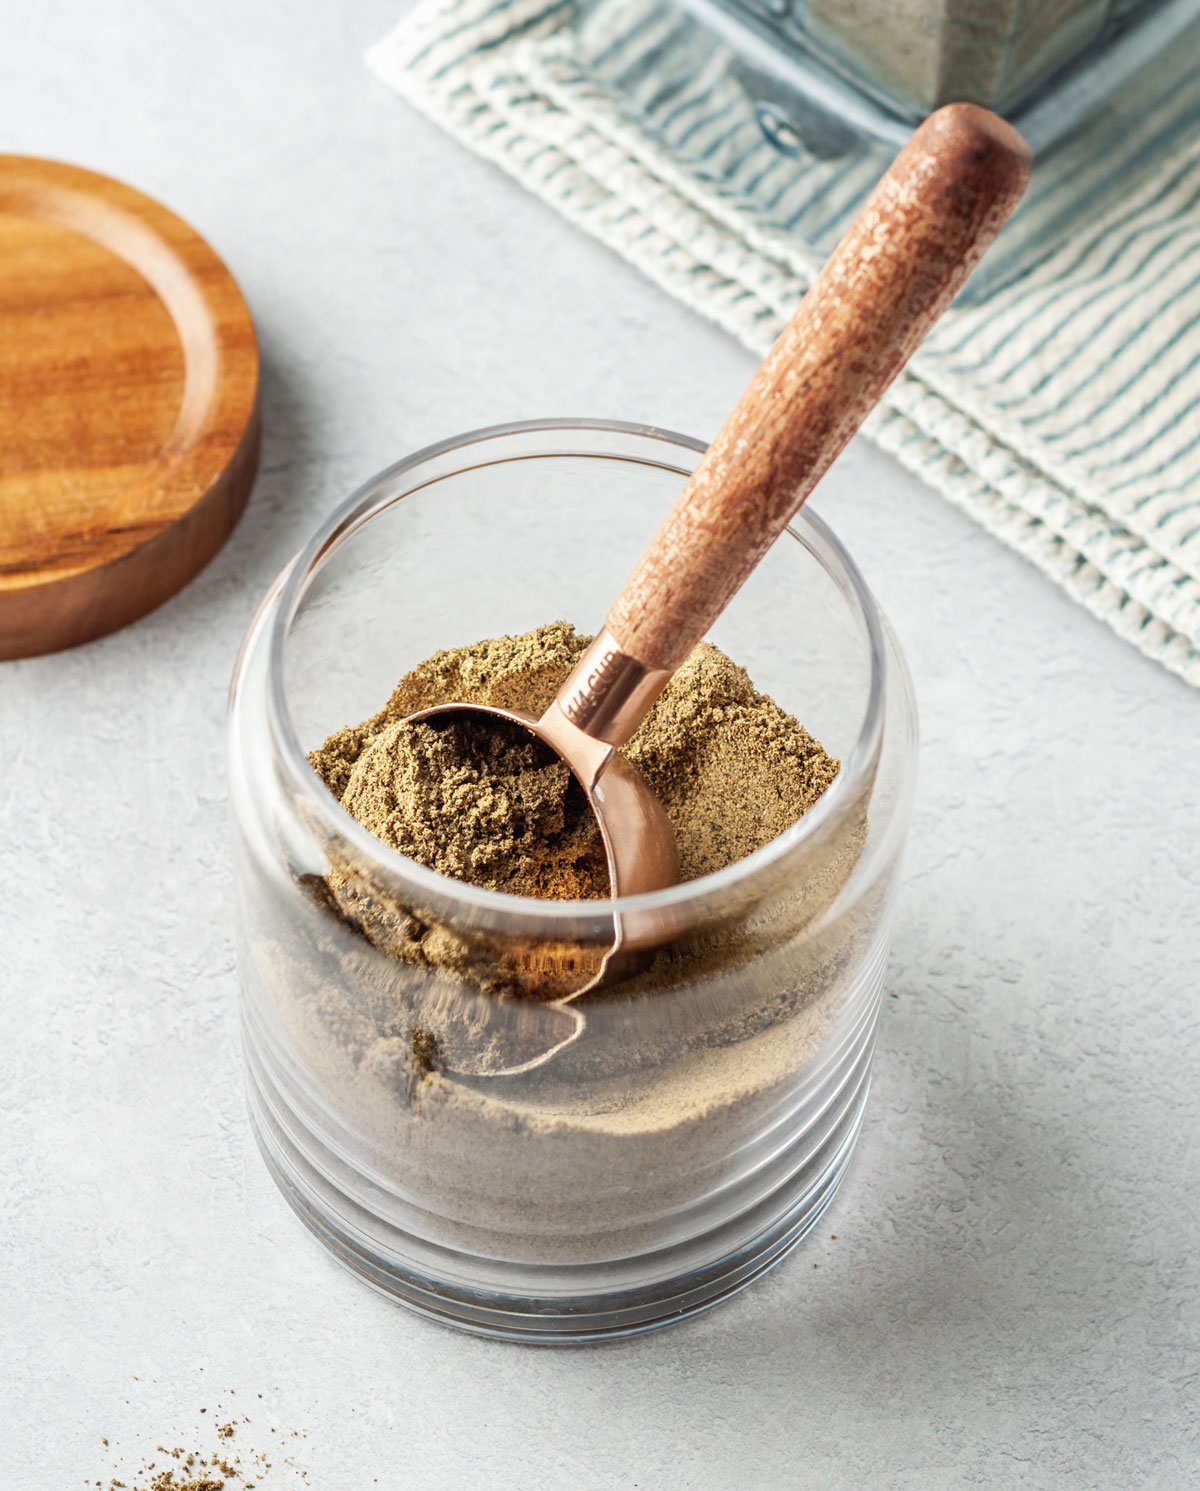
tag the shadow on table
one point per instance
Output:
(998, 1275)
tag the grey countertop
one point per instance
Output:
(1011, 1297)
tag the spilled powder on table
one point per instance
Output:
(482, 801)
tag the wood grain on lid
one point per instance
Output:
(128, 404)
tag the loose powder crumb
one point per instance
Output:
(492, 805)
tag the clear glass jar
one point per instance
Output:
(645, 1150)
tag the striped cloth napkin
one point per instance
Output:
(1061, 411)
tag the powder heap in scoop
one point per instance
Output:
(483, 801)
(497, 808)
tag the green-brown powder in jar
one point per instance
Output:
(492, 805)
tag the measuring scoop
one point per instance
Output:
(906, 254)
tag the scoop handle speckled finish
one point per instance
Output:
(907, 253)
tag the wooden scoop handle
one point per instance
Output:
(907, 253)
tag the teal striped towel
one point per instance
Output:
(1061, 411)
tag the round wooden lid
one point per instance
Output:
(128, 405)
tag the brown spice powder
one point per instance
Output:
(676, 1070)
(731, 769)
(482, 801)
(495, 807)
(185, 1469)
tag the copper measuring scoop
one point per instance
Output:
(901, 262)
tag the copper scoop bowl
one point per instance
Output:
(908, 252)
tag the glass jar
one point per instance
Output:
(562, 1168)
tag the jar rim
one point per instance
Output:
(286, 596)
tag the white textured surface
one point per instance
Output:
(1011, 1299)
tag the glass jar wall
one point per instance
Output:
(540, 1167)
